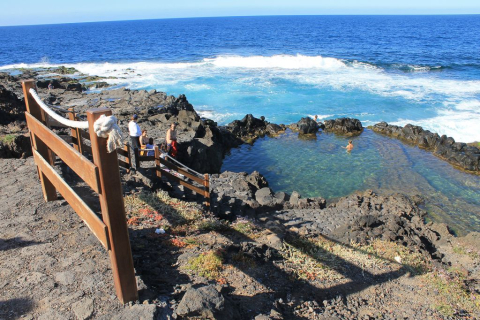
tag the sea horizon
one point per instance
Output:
(246, 16)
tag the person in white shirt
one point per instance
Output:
(135, 132)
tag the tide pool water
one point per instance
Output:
(322, 168)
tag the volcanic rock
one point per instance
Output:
(345, 126)
(456, 153)
(305, 126)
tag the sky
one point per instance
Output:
(29, 12)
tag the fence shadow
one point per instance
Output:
(15, 243)
(15, 308)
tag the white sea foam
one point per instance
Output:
(205, 111)
(461, 125)
(316, 71)
(259, 75)
(321, 116)
(278, 62)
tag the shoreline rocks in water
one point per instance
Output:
(458, 154)
(305, 126)
(344, 126)
(250, 128)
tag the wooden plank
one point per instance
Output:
(123, 152)
(113, 212)
(123, 164)
(206, 185)
(75, 132)
(94, 223)
(146, 158)
(72, 158)
(180, 170)
(182, 182)
(157, 162)
(32, 107)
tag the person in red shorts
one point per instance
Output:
(172, 140)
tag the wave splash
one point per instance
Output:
(454, 103)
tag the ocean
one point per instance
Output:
(423, 70)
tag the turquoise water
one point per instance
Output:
(321, 167)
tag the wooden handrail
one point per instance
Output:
(72, 158)
(181, 171)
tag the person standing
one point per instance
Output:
(135, 132)
(172, 140)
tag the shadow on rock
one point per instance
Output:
(15, 308)
(15, 243)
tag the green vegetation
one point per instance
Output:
(208, 265)
(7, 139)
(211, 224)
(245, 227)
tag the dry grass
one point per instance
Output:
(160, 210)
(453, 297)
(323, 259)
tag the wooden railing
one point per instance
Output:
(203, 181)
(79, 135)
(101, 175)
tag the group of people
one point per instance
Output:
(140, 140)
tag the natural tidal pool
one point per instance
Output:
(320, 167)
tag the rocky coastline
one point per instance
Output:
(458, 154)
(65, 285)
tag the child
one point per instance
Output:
(150, 146)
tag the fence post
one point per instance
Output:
(157, 162)
(128, 158)
(113, 212)
(75, 132)
(49, 192)
(206, 184)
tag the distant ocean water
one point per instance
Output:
(423, 70)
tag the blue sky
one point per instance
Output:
(53, 11)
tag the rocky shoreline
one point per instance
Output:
(458, 154)
(264, 239)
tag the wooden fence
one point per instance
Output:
(101, 175)
(79, 135)
(203, 181)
